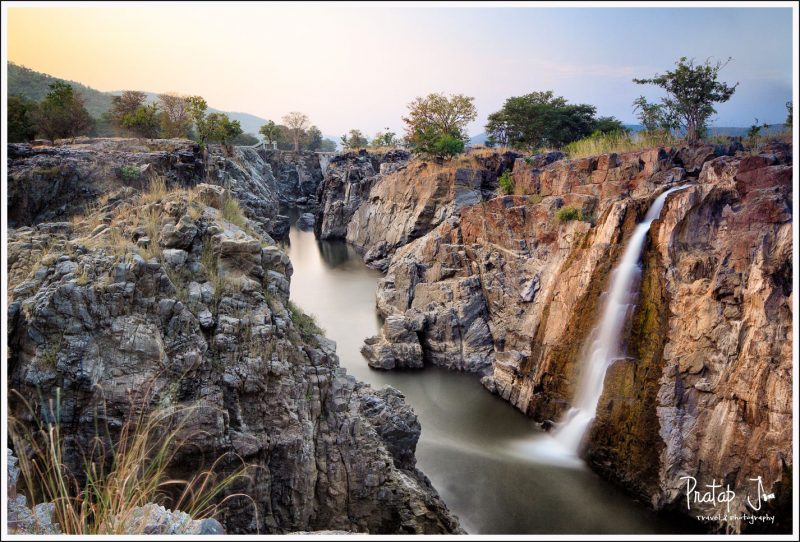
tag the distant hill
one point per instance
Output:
(34, 85)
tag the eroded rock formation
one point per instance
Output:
(510, 288)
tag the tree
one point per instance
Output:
(20, 119)
(296, 122)
(354, 139)
(789, 120)
(387, 138)
(61, 113)
(609, 125)
(270, 132)
(125, 104)
(221, 129)
(175, 121)
(692, 90)
(755, 131)
(654, 117)
(542, 120)
(435, 116)
(196, 108)
(313, 138)
(142, 121)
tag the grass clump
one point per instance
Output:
(600, 143)
(232, 212)
(506, 182)
(567, 214)
(118, 475)
(306, 324)
(156, 190)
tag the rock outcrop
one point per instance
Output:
(510, 288)
(297, 175)
(175, 299)
(414, 199)
(349, 177)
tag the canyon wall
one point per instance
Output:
(176, 300)
(511, 288)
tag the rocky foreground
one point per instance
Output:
(509, 287)
(136, 296)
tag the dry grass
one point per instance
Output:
(117, 476)
(157, 190)
(619, 143)
(232, 212)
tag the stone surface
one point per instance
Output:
(108, 321)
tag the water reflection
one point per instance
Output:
(489, 463)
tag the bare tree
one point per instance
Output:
(175, 119)
(296, 122)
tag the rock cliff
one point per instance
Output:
(180, 294)
(510, 288)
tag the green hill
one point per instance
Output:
(35, 85)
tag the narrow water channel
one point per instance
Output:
(490, 464)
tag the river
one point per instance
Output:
(492, 466)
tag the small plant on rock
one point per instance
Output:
(567, 214)
(506, 182)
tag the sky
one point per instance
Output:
(355, 66)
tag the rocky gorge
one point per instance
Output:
(509, 287)
(115, 287)
(134, 297)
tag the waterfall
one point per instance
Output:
(324, 160)
(605, 342)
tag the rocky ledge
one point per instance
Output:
(176, 298)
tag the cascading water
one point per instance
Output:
(606, 339)
(324, 160)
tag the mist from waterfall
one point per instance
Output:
(605, 341)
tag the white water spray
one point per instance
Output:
(606, 338)
(324, 160)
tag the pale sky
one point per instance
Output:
(352, 66)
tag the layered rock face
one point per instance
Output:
(171, 300)
(49, 183)
(413, 200)
(297, 175)
(349, 177)
(511, 288)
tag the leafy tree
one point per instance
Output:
(142, 121)
(296, 122)
(221, 129)
(654, 117)
(313, 138)
(270, 131)
(436, 120)
(196, 108)
(755, 131)
(245, 139)
(608, 125)
(61, 113)
(125, 104)
(175, 121)
(327, 145)
(789, 120)
(354, 140)
(20, 119)
(692, 90)
(387, 138)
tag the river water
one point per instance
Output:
(495, 470)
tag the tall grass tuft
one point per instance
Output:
(118, 475)
(617, 142)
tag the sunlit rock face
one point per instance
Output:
(510, 289)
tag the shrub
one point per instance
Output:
(306, 324)
(129, 173)
(506, 182)
(445, 145)
(566, 214)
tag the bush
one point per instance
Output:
(567, 214)
(306, 324)
(446, 145)
(130, 173)
(506, 183)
